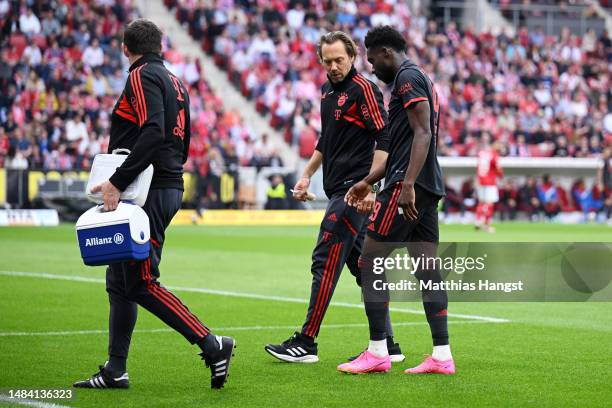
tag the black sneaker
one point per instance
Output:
(105, 379)
(217, 356)
(296, 349)
(395, 352)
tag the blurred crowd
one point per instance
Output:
(536, 198)
(537, 95)
(62, 71)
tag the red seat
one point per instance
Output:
(18, 42)
(40, 41)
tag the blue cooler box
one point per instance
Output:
(114, 236)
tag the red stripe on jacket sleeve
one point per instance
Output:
(371, 101)
(414, 100)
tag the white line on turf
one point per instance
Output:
(30, 403)
(75, 278)
(222, 329)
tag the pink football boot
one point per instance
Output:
(366, 363)
(433, 366)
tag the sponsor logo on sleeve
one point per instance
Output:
(365, 112)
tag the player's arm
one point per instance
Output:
(147, 100)
(300, 190)
(377, 171)
(362, 195)
(375, 118)
(148, 104)
(360, 190)
(419, 118)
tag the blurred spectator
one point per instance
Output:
(29, 23)
(529, 200)
(561, 149)
(50, 25)
(549, 198)
(15, 159)
(468, 192)
(453, 201)
(276, 194)
(93, 56)
(508, 201)
(589, 200)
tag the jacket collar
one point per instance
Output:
(148, 57)
(405, 65)
(347, 79)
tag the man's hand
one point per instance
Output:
(406, 202)
(300, 190)
(365, 206)
(110, 195)
(357, 193)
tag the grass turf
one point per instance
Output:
(549, 354)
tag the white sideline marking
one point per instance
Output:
(244, 295)
(222, 329)
(30, 403)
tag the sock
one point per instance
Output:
(376, 302)
(378, 348)
(435, 303)
(377, 318)
(307, 339)
(390, 342)
(388, 326)
(205, 342)
(116, 364)
(442, 353)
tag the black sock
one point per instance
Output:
(206, 342)
(438, 323)
(435, 303)
(388, 326)
(376, 302)
(377, 319)
(116, 364)
(307, 339)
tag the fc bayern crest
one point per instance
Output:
(342, 98)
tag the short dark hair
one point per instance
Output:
(385, 36)
(142, 36)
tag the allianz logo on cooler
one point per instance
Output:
(117, 239)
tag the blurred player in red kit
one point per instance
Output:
(488, 171)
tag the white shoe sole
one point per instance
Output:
(397, 358)
(307, 359)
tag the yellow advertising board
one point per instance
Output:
(250, 217)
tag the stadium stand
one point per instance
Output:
(539, 95)
(62, 71)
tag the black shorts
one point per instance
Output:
(388, 225)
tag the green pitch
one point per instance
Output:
(52, 331)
